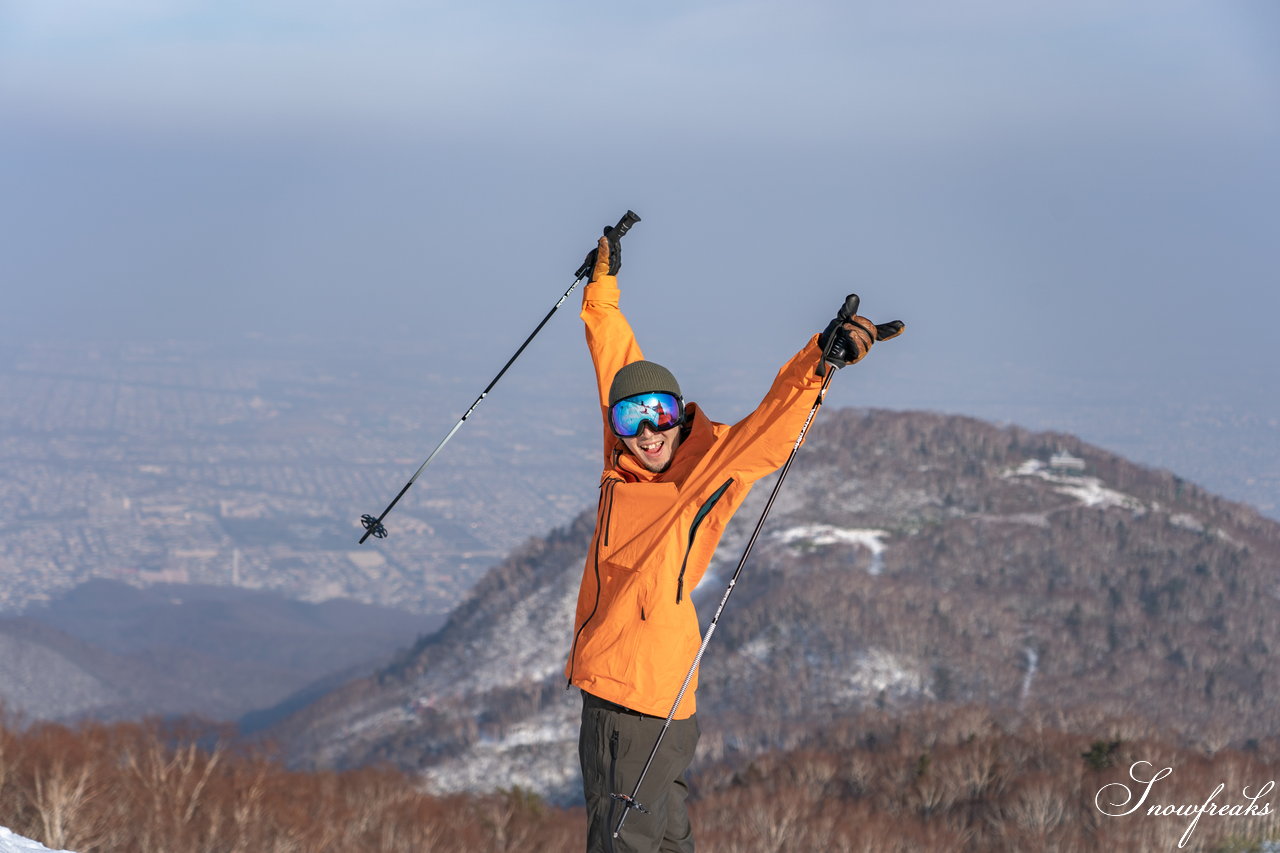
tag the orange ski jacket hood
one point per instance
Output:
(635, 629)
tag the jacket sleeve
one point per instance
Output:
(610, 340)
(758, 444)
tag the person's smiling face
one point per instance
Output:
(655, 450)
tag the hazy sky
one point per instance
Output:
(1073, 204)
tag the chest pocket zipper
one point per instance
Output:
(608, 485)
(703, 512)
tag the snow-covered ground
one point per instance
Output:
(1087, 490)
(1092, 492)
(876, 671)
(825, 534)
(10, 843)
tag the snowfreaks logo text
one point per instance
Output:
(1114, 800)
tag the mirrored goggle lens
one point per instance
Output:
(662, 411)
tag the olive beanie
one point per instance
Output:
(639, 377)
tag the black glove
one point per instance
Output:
(612, 256)
(853, 337)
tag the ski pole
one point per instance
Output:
(373, 526)
(847, 312)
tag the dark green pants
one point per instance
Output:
(613, 745)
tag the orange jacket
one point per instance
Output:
(635, 629)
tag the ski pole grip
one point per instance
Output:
(624, 224)
(847, 312)
(616, 232)
(850, 308)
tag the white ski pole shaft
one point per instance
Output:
(373, 526)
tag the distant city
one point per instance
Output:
(179, 462)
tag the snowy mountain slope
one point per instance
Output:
(910, 558)
(47, 674)
(499, 654)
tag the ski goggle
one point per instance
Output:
(659, 409)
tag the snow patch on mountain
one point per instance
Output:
(1035, 519)
(1027, 469)
(1187, 522)
(1089, 491)
(877, 671)
(1033, 663)
(808, 535)
(760, 648)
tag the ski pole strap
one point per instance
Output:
(629, 803)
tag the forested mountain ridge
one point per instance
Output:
(911, 558)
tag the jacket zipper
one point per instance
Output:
(703, 512)
(610, 483)
(608, 513)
